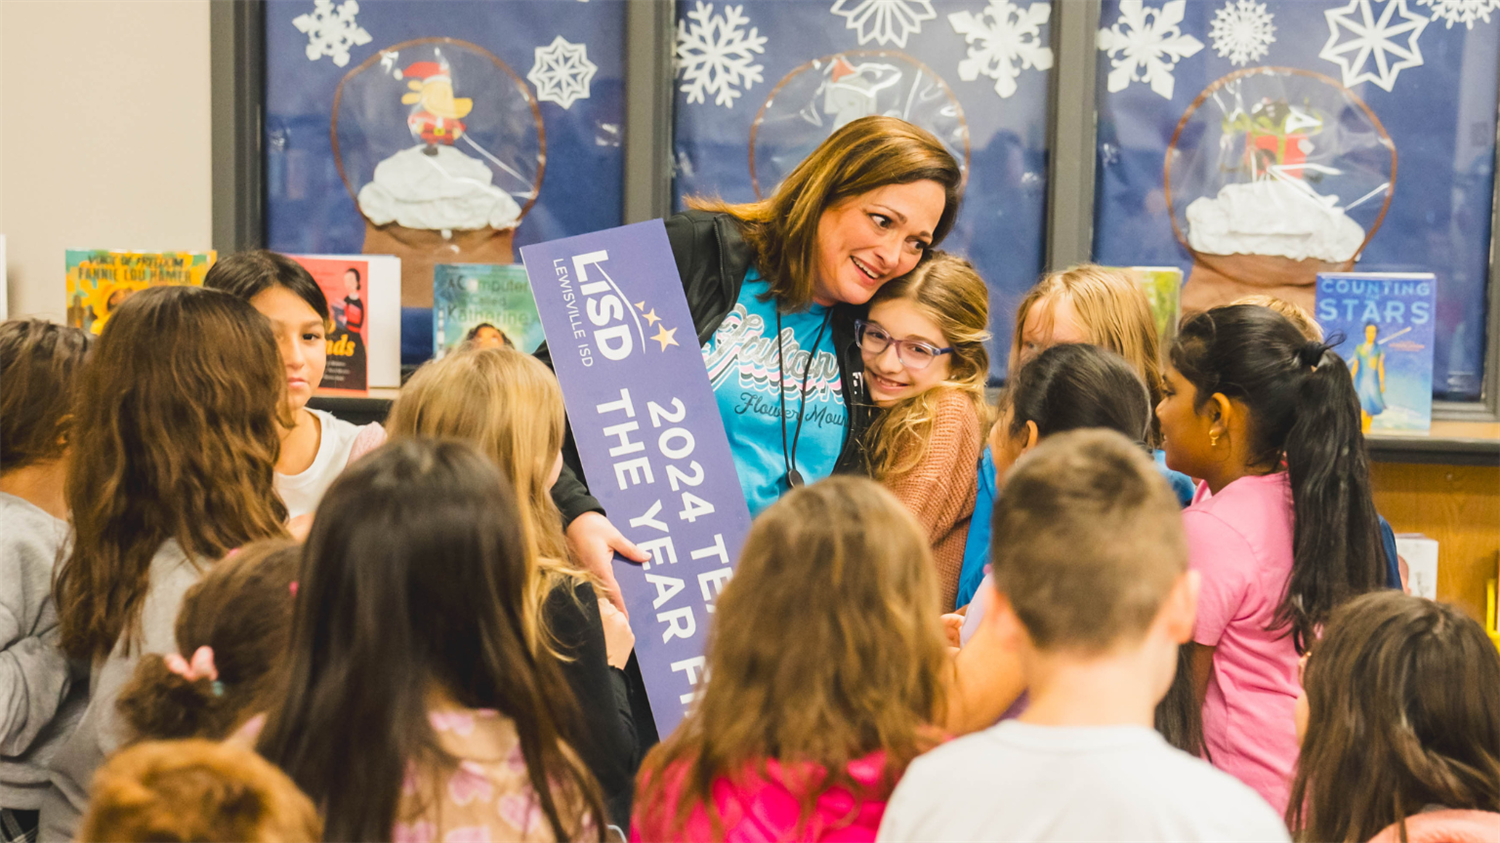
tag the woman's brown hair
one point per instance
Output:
(196, 790)
(510, 406)
(869, 153)
(175, 437)
(39, 363)
(242, 610)
(1115, 313)
(947, 290)
(1403, 699)
(824, 649)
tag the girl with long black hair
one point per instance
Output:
(1282, 528)
(415, 703)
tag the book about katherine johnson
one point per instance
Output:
(99, 280)
(345, 283)
(489, 304)
(1387, 320)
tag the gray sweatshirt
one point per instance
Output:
(38, 704)
(101, 731)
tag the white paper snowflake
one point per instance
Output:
(714, 54)
(1461, 11)
(331, 31)
(886, 21)
(1374, 41)
(1000, 38)
(1152, 44)
(562, 72)
(1242, 31)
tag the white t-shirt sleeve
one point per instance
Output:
(301, 492)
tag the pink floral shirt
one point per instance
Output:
(488, 797)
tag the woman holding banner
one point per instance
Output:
(774, 288)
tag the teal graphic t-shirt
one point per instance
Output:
(745, 370)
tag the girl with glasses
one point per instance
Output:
(925, 367)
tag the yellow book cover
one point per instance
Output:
(99, 280)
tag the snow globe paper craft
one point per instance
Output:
(824, 95)
(1273, 175)
(442, 147)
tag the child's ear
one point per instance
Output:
(1180, 611)
(1031, 436)
(1004, 622)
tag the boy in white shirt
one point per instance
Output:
(1093, 590)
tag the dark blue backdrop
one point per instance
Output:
(1440, 115)
(308, 209)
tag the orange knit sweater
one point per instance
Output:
(940, 490)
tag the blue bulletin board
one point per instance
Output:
(540, 84)
(760, 82)
(1351, 80)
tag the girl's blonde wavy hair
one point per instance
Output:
(1115, 314)
(510, 406)
(947, 290)
(814, 665)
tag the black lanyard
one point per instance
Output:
(793, 476)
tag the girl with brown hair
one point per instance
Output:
(175, 436)
(197, 790)
(774, 288)
(510, 406)
(925, 366)
(1399, 719)
(39, 703)
(315, 446)
(416, 704)
(231, 633)
(822, 679)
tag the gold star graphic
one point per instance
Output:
(664, 336)
(641, 306)
(652, 318)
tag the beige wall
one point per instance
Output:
(104, 135)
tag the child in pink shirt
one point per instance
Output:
(1282, 529)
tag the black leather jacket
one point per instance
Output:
(712, 259)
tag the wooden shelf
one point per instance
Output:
(1448, 443)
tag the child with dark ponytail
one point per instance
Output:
(232, 633)
(1282, 529)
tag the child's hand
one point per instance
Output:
(618, 639)
(300, 526)
(953, 624)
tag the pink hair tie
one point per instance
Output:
(201, 667)
(293, 588)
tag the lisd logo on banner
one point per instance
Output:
(610, 316)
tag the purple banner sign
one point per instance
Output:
(649, 434)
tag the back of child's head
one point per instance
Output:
(824, 648)
(412, 582)
(1295, 313)
(39, 363)
(1113, 311)
(1087, 542)
(241, 610)
(175, 433)
(1304, 413)
(192, 791)
(505, 402)
(1073, 386)
(246, 275)
(1403, 702)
